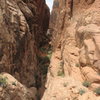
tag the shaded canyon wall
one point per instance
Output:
(23, 25)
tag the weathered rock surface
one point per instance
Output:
(23, 26)
(75, 26)
(22, 22)
(74, 72)
(11, 89)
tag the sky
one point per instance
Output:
(49, 3)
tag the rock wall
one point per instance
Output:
(23, 25)
(75, 64)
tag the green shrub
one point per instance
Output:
(61, 73)
(45, 69)
(86, 83)
(77, 65)
(62, 63)
(14, 83)
(97, 91)
(81, 91)
(43, 50)
(65, 84)
(3, 81)
(43, 60)
(49, 54)
(39, 58)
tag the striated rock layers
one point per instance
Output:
(23, 26)
(74, 72)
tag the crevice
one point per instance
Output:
(71, 8)
(43, 57)
(63, 21)
(43, 51)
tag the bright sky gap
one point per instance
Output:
(50, 4)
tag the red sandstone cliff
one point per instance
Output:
(75, 63)
(74, 70)
(23, 26)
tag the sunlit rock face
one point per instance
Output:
(23, 25)
(75, 63)
(11, 89)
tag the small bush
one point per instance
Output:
(62, 64)
(49, 56)
(61, 73)
(43, 60)
(45, 69)
(49, 52)
(14, 83)
(3, 81)
(46, 59)
(86, 83)
(65, 84)
(81, 91)
(97, 91)
(44, 50)
(77, 65)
